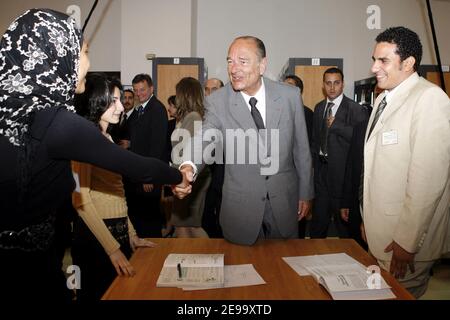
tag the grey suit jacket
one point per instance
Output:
(246, 186)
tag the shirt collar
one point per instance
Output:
(129, 112)
(390, 93)
(260, 95)
(337, 101)
(146, 102)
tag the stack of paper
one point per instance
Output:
(342, 276)
(205, 271)
(192, 270)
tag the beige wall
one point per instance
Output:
(121, 32)
(162, 27)
(320, 28)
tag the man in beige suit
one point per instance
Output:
(406, 190)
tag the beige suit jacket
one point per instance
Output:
(406, 172)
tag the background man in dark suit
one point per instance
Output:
(211, 213)
(120, 131)
(148, 137)
(350, 205)
(333, 123)
(296, 81)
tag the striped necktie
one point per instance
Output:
(380, 109)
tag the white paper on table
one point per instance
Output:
(301, 263)
(341, 275)
(202, 270)
(237, 276)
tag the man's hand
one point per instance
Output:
(344, 214)
(184, 188)
(304, 208)
(148, 187)
(401, 259)
(124, 143)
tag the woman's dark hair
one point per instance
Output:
(171, 100)
(189, 97)
(97, 96)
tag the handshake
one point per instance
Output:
(185, 187)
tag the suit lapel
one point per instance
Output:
(273, 112)
(239, 110)
(273, 106)
(398, 99)
(341, 113)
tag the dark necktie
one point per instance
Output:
(140, 111)
(255, 114)
(324, 131)
(124, 119)
(380, 109)
(361, 186)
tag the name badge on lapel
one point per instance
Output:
(389, 137)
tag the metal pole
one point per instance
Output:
(89, 15)
(436, 48)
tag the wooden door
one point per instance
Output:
(312, 77)
(433, 76)
(169, 75)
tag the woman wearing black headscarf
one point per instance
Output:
(43, 62)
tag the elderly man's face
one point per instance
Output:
(245, 66)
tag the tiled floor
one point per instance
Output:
(439, 285)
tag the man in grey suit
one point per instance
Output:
(262, 198)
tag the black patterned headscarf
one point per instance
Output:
(39, 61)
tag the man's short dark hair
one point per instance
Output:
(407, 41)
(259, 44)
(333, 70)
(129, 90)
(143, 77)
(297, 80)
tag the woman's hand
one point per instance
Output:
(121, 264)
(136, 242)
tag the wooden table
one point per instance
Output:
(283, 283)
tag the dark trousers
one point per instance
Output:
(354, 225)
(213, 201)
(32, 276)
(97, 271)
(144, 210)
(269, 228)
(326, 207)
(302, 229)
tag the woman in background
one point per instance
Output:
(187, 213)
(103, 234)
